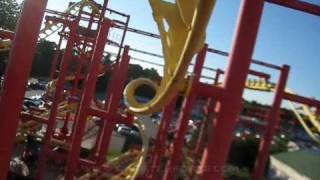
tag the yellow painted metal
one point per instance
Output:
(260, 85)
(130, 90)
(53, 27)
(313, 132)
(132, 171)
(313, 135)
(182, 27)
(312, 117)
(5, 45)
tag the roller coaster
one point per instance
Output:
(84, 37)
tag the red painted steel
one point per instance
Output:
(5, 34)
(16, 77)
(229, 106)
(273, 120)
(88, 95)
(78, 74)
(225, 101)
(160, 142)
(301, 99)
(123, 37)
(57, 99)
(208, 110)
(207, 90)
(254, 61)
(177, 146)
(119, 76)
(298, 5)
(259, 74)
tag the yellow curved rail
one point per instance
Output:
(304, 124)
(265, 86)
(51, 28)
(132, 171)
(182, 27)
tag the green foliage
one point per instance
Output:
(9, 14)
(281, 145)
(43, 59)
(243, 153)
(134, 71)
(232, 172)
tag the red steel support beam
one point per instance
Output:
(32, 117)
(301, 99)
(120, 75)
(200, 144)
(123, 37)
(88, 95)
(257, 62)
(208, 112)
(160, 143)
(5, 34)
(273, 121)
(259, 74)
(229, 106)
(55, 104)
(254, 73)
(176, 156)
(298, 5)
(16, 77)
(207, 90)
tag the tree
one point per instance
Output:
(9, 14)
(43, 59)
(134, 71)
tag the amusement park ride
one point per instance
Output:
(181, 40)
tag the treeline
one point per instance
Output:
(45, 53)
(286, 115)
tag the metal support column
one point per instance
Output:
(160, 142)
(229, 106)
(55, 104)
(16, 77)
(177, 154)
(85, 104)
(273, 121)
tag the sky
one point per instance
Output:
(285, 37)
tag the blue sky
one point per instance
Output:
(285, 37)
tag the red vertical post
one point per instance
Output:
(229, 106)
(123, 37)
(56, 100)
(109, 91)
(200, 144)
(175, 159)
(160, 143)
(273, 121)
(85, 104)
(120, 76)
(16, 77)
(55, 61)
(103, 11)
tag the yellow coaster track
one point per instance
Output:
(182, 27)
(312, 132)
